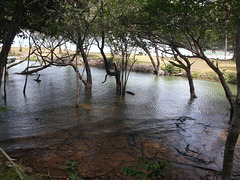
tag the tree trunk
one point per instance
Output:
(60, 48)
(187, 69)
(85, 60)
(190, 81)
(225, 49)
(78, 87)
(158, 60)
(235, 125)
(5, 89)
(116, 73)
(13, 29)
(156, 69)
(225, 86)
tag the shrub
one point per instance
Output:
(146, 169)
(231, 77)
(13, 172)
(71, 167)
(171, 69)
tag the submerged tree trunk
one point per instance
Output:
(190, 81)
(13, 29)
(85, 60)
(116, 73)
(187, 69)
(235, 125)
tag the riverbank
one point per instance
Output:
(199, 68)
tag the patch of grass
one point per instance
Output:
(9, 173)
(146, 169)
(71, 168)
(211, 76)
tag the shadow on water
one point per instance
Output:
(106, 132)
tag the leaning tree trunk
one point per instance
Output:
(85, 60)
(187, 69)
(13, 29)
(115, 73)
(156, 68)
(235, 125)
(225, 86)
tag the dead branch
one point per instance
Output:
(13, 163)
(35, 70)
(105, 78)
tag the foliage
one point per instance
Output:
(171, 69)
(231, 77)
(8, 173)
(71, 167)
(207, 76)
(146, 169)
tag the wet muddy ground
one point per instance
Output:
(197, 156)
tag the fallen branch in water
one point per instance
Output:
(13, 163)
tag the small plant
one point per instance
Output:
(71, 167)
(146, 169)
(171, 69)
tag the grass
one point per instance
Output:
(199, 68)
(13, 172)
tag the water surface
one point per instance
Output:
(158, 121)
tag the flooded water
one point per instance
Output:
(107, 132)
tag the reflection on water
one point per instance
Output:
(160, 108)
(49, 105)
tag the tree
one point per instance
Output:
(110, 30)
(187, 67)
(232, 14)
(23, 14)
(185, 24)
(80, 16)
(145, 46)
(234, 129)
(10, 32)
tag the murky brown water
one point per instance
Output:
(105, 133)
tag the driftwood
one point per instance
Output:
(38, 79)
(14, 64)
(12, 163)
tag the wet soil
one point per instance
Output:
(102, 156)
